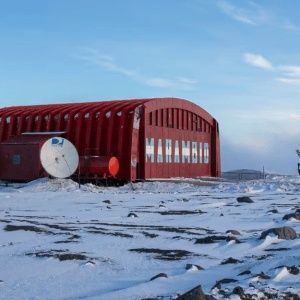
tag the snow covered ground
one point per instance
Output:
(61, 242)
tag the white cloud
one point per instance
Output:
(289, 80)
(254, 14)
(236, 13)
(108, 63)
(257, 61)
(186, 80)
(160, 82)
(292, 70)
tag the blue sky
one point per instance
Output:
(239, 60)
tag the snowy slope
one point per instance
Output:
(61, 242)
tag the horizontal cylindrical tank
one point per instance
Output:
(105, 166)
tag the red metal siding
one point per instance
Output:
(115, 128)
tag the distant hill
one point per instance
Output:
(244, 171)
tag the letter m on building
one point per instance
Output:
(150, 149)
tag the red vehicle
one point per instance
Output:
(148, 138)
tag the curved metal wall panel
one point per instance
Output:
(121, 129)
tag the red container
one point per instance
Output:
(20, 157)
(102, 166)
(151, 138)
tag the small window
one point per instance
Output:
(66, 117)
(8, 120)
(108, 114)
(119, 113)
(87, 115)
(36, 118)
(16, 159)
(46, 117)
(76, 116)
(97, 115)
(56, 117)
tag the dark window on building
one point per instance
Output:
(16, 159)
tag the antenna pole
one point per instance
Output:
(79, 176)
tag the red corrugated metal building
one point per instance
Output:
(151, 138)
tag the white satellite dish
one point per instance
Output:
(59, 157)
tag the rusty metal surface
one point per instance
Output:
(122, 128)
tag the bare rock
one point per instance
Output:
(262, 275)
(295, 216)
(215, 238)
(223, 281)
(235, 232)
(284, 233)
(189, 266)
(238, 291)
(159, 275)
(106, 201)
(293, 270)
(209, 297)
(244, 200)
(194, 294)
(231, 260)
(273, 211)
(132, 215)
(245, 273)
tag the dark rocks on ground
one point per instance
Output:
(189, 266)
(284, 233)
(291, 296)
(245, 273)
(262, 275)
(273, 211)
(244, 200)
(231, 260)
(215, 238)
(194, 294)
(217, 286)
(297, 211)
(162, 206)
(235, 232)
(108, 207)
(164, 254)
(185, 200)
(293, 270)
(221, 215)
(223, 281)
(296, 216)
(159, 275)
(132, 215)
(150, 299)
(209, 297)
(106, 201)
(238, 291)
